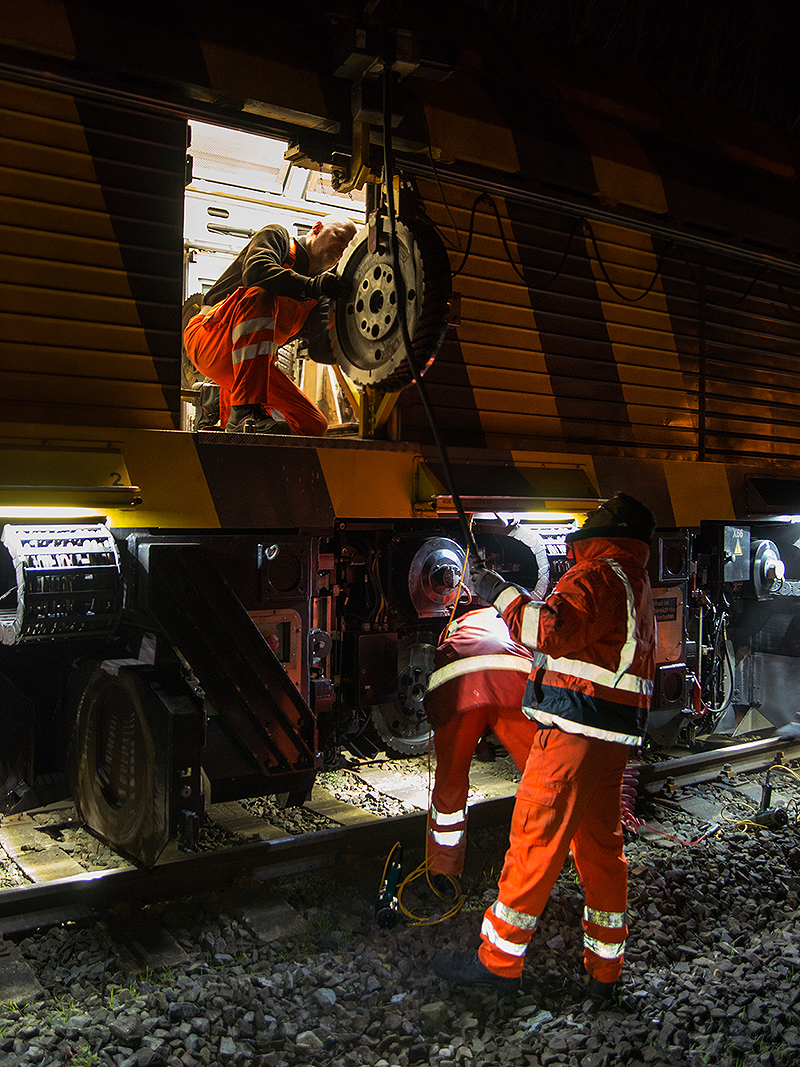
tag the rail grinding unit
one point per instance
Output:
(599, 283)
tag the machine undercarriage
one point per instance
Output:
(148, 674)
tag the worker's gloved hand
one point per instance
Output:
(331, 286)
(789, 732)
(487, 584)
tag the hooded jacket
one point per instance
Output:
(597, 633)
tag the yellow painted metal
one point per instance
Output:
(497, 331)
(369, 484)
(636, 182)
(640, 331)
(38, 25)
(699, 491)
(106, 470)
(73, 345)
(485, 140)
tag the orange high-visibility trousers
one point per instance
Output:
(570, 796)
(455, 744)
(235, 343)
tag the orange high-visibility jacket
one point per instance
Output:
(597, 632)
(477, 666)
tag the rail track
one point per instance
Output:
(52, 887)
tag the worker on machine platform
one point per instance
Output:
(259, 303)
(590, 700)
(477, 684)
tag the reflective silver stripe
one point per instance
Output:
(631, 683)
(529, 635)
(515, 918)
(443, 818)
(492, 935)
(628, 650)
(506, 598)
(241, 355)
(611, 919)
(602, 948)
(477, 664)
(250, 326)
(619, 679)
(449, 839)
(570, 727)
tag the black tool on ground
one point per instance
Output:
(386, 910)
(766, 795)
(772, 818)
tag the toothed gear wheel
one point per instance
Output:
(402, 724)
(366, 330)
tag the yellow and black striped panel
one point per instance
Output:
(582, 333)
(91, 215)
(616, 319)
(251, 482)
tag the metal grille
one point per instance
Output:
(67, 583)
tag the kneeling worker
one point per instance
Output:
(258, 304)
(478, 682)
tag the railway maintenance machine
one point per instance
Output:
(568, 279)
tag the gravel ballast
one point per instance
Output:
(711, 973)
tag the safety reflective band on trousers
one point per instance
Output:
(603, 949)
(492, 935)
(449, 839)
(442, 818)
(612, 919)
(515, 918)
(259, 345)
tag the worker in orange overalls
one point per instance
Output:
(477, 684)
(259, 303)
(590, 699)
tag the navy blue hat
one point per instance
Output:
(621, 516)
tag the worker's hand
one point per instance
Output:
(487, 584)
(789, 732)
(333, 287)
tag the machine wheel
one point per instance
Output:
(121, 766)
(366, 331)
(402, 724)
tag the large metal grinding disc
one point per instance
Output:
(366, 330)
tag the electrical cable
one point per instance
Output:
(438, 180)
(601, 264)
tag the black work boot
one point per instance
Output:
(208, 413)
(601, 994)
(253, 418)
(466, 969)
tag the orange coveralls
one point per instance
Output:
(235, 343)
(590, 699)
(478, 682)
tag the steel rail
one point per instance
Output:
(85, 896)
(706, 766)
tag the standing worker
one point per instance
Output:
(590, 700)
(259, 303)
(478, 682)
